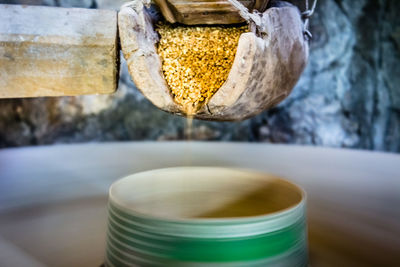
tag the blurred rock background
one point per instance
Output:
(349, 95)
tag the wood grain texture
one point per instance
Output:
(138, 44)
(264, 71)
(193, 12)
(47, 51)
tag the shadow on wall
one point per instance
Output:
(348, 96)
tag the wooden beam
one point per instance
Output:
(49, 51)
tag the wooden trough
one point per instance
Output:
(46, 51)
(267, 65)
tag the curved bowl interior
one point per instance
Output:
(204, 193)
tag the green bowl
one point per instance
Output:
(206, 216)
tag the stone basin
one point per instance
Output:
(53, 198)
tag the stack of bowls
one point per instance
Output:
(200, 216)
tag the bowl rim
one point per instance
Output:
(230, 220)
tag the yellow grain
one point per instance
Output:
(196, 61)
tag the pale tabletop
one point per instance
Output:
(53, 199)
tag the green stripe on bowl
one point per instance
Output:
(233, 227)
(116, 258)
(209, 249)
(121, 254)
(297, 256)
(143, 233)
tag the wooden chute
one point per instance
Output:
(268, 62)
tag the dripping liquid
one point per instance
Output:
(189, 128)
(188, 135)
(190, 111)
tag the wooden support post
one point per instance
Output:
(48, 51)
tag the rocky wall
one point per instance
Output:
(348, 96)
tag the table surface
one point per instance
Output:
(53, 199)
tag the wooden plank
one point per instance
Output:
(48, 51)
(193, 12)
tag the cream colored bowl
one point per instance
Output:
(206, 216)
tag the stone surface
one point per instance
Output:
(348, 96)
